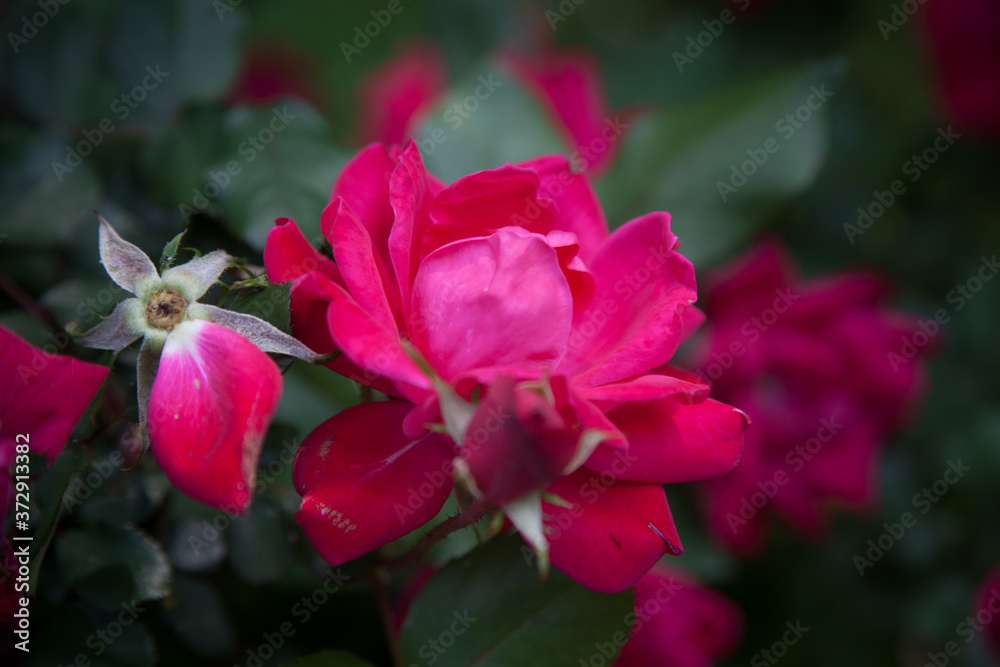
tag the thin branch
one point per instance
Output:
(462, 520)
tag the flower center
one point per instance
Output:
(165, 309)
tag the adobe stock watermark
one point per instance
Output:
(432, 650)
(248, 149)
(924, 500)
(696, 44)
(381, 18)
(967, 630)
(121, 107)
(634, 622)
(779, 649)
(31, 25)
(900, 15)
(786, 127)
(302, 611)
(959, 296)
(562, 12)
(796, 459)
(751, 331)
(459, 112)
(915, 167)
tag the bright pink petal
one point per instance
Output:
(671, 443)
(579, 210)
(635, 321)
(289, 256)
(43, 394)
(481, 203)
(367, 277)
(399, 92)
(490, 302)
(364, 184)
(374, 348)
(212, 400)
(659, 384)
(569, 84)
(614, 531)
(411, 190)
(365, 484)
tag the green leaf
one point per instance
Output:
(195, 612)
(169, 253)
(81, 553)
(49, 492)
(165, 54)
(678, 159)
(331, 659)
(258, 544)
(282, 163)
(490, 608)
(271, 304)
(42, 206)
(175, 157)
(467, 134)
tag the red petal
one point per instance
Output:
(365, 484)
(635, 322)
(211, 403)
(397, 93)
(671, 443)
(43, 394)
(613, 534)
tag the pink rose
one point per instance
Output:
(680, 623)
(824, 370)
(397, 95)
(506, 290)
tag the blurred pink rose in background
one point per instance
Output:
(964, 38)
(680, 623)
(825, 372)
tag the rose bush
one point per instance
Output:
(504, 282)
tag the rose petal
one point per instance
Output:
(614, 531)
(670, 443)
(211, 403)
(43, 394)
(490, 302)
(634, 323)
(365, 484)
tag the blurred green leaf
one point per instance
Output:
(176, 156)
(83, 552)
(167, 53)
(489, 609)
(706, 163)
(49, 490)
(195, 612)
(331, 659)
(43, 199)
(282, 163)
(469, 132)
(258, 544)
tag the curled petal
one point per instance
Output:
(613, 531)
(209, 408)
(127, 265)
(118, 330)
(192, 279)
(364, 483)
(669, 443)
